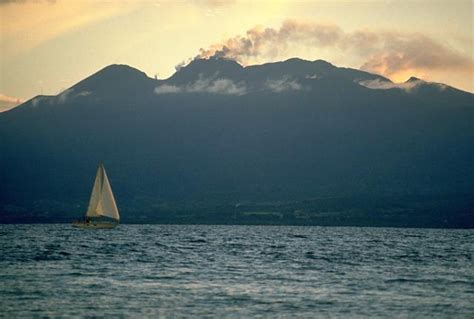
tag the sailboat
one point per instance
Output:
(102, 211)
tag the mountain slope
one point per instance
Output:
(217, 142)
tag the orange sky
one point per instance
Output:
(47, 46)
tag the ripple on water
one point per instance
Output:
(235, 271)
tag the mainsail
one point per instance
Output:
(102, 202)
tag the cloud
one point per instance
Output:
(83, 93)
(270, 42)
(393, 54)
(226, 86)
(166, 89)
(178, 66)
(408, 86)
(378, 84)
(37, 100)
(64, 96)
(283, 84)
(313, 77)
(8, 102)
(210, 85)
(215, 85)
(68, 95)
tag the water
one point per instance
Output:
(235, 271)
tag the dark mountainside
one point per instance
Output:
(293, 142)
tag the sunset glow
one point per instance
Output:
(47, 46)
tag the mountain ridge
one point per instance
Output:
(222, 142)
(132, 80)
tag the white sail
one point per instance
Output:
(95, 196)
(102, 202)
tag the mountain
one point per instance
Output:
(292, 142)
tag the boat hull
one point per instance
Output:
(94, 225)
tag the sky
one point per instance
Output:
(46, 46)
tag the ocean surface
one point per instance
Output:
(180, 271)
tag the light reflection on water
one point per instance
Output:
(235, 271)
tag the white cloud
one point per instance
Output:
(83, 93)
(313, 76)
(378, 84)
(205, 85)
(64, 96)
(36, 101)
(67, 95)
(283, 84)
(219, 86)
(390, 53)
(215, 85)
(166, 89)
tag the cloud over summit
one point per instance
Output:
(393, 54)
(385, 85)
(226, 86)
(283, 84)
(270, 42)
(211, 85)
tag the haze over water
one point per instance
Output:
(235, 271)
